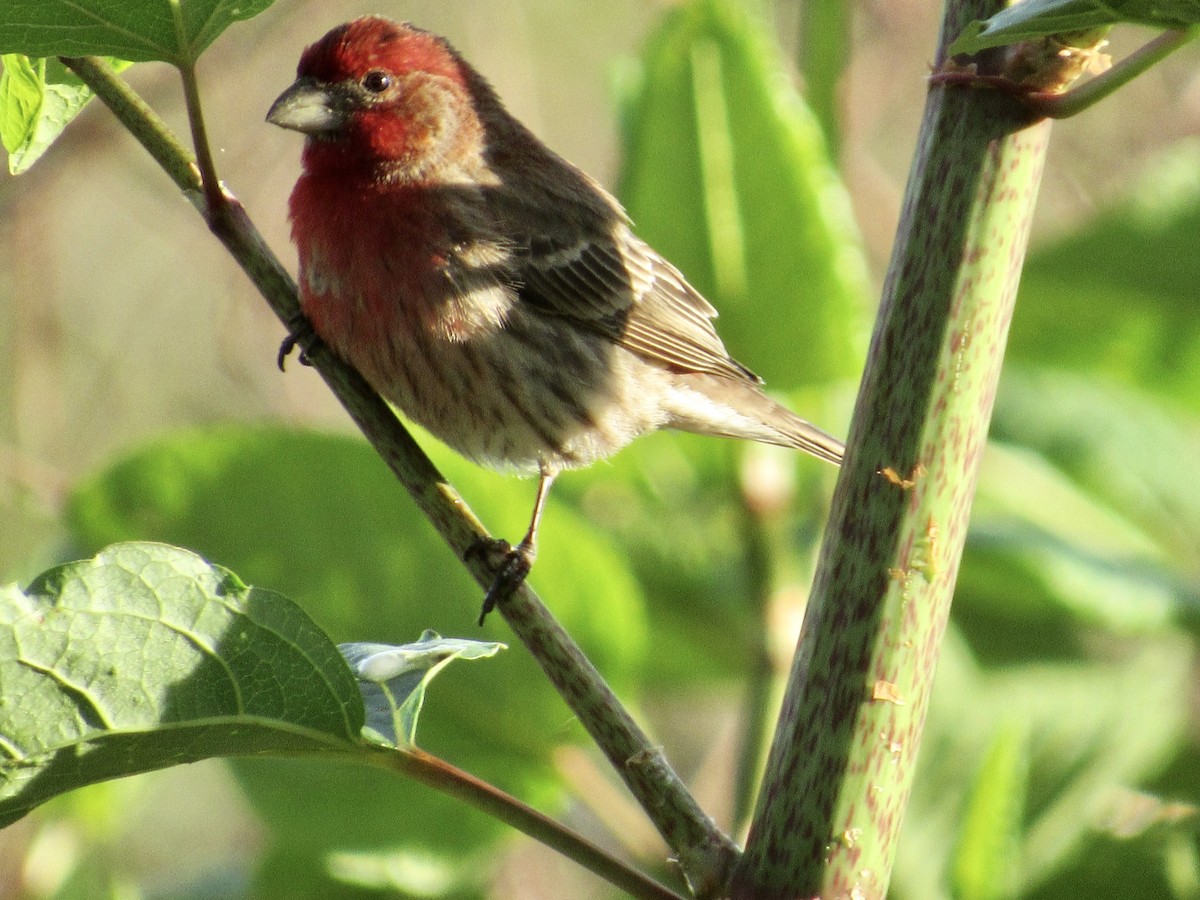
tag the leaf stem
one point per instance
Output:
(454, 782)
(214, 197)
(1064, 104)
(1076, 100)
(705, 854)
(139, 120)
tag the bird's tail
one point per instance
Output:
(725, 408)
(794, 431)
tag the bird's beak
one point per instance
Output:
(309, 106)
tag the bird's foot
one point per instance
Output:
(300, 334)
(511, 565)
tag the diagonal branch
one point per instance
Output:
(705, 854)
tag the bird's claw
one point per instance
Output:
(300, 334)
(511, 565)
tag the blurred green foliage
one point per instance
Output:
(1060, 757)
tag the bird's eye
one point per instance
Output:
(376, 81)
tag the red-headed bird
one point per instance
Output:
(487, 287)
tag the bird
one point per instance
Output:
(489, 289)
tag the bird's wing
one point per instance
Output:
(621, 288)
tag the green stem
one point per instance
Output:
(453, 782)
(139, 120)
(841, 762)
(1061, 106)
(215, 199)
(705, 854)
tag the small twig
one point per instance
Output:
(1064, 104)
(705, 854)
(214, 199)
(214, 196)
(454, 782)
(1076, 100)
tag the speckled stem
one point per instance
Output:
(841, 762)
(704, 853)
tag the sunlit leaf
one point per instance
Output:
(727, 174)
(38, 99)
(147, 656)
(986, 860)
(1032, 19)
(393, 678)
(320, 517)
(174, 31)
(1090, 729)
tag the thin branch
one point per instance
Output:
(454, 782)
(705, 854)
(214, 199)
(1076, 100)
(1064, 104)
(138, 119)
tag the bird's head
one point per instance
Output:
(386, 98)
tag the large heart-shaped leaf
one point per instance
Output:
(147, 656)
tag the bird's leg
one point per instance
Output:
(300, 334)
(518, 560)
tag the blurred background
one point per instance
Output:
(129, 339)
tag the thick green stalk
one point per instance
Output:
(840, 767)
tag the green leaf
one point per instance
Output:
(1032, 19)
(174, 31)
(393, 678)
(147, 656)
(826, 39)
(1095, 729)
(987, 858)
(38, 99)
(1162, 867)
(726, 173)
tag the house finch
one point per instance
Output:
(487, 287)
